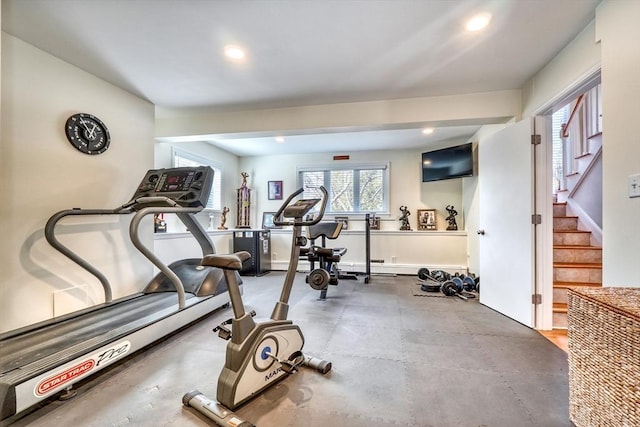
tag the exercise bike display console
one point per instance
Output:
(259, 354)
(299, 209)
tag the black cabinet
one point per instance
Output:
(258, 244)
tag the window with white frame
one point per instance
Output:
(352, 188)
(185, 159)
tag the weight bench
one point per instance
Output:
(327, 272)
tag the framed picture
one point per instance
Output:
(275, 190)
(344, 220)
(427, 219)
(267, 221)
(374, 223)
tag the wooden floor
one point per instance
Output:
(558, 337)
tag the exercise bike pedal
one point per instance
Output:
(291, 365)
(223, 331)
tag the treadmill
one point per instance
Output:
(43, 360)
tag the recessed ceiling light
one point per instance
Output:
(279, 139)
(478, 22)
(234, 52)
(427, 131)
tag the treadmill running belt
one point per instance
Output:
(27, 348)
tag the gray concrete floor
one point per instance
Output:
(398, 360)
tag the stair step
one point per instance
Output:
(560, 209)
(565, 223)
(560, 289)
(577, 254)
(577, 272)
(596, 265)
(560, 315)
(559, 307)
(572, 237)
(566, 285)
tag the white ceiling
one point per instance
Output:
(301, 52)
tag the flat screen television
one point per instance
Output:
(447, 163)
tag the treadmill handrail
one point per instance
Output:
(150, 199)
(49, 234)
(133, 234)
(184, 213)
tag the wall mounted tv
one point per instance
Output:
(447, 163)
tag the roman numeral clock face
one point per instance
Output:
(87, 133)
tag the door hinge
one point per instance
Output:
(536, 139)
(536, 219)
(536, 299)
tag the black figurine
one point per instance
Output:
(404, 219)
(451, 218)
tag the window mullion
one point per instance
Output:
(356, 190)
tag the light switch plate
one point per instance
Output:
(634, 185)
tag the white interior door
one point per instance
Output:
(506, 248)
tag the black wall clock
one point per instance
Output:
(87, 133)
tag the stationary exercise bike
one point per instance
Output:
(259, 353)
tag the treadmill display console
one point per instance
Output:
(187, 186)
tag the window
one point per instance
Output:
(185, 159)
(352, 189)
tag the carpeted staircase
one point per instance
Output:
(575, 261)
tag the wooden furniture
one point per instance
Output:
(604, 356)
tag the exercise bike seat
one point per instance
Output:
(325, 230)
(226, 261)
(330, 230)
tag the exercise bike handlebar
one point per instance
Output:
(299, 220)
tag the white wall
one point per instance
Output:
(406, 187)
(618, 31)
(576, 62)
(402, 252)
(170, 247)
(41, 173)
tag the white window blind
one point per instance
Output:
(352, 189)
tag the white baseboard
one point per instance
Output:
(586, 223)
(376, 268)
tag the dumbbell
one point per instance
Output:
(450, 288)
